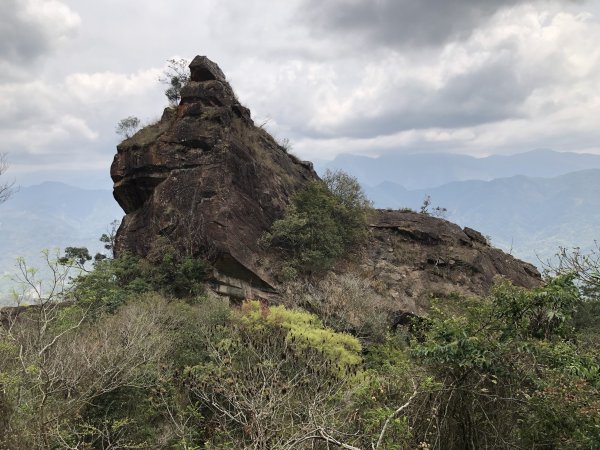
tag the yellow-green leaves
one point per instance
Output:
(304, 331)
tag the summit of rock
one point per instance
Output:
(413, 257)
(203, 69)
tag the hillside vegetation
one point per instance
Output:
(136, 353)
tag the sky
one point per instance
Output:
(476, 77)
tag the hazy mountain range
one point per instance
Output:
(51, 215)
(529, 204)
(425, 170)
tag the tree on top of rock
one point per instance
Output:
(175, 77)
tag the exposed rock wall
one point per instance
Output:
(414, 257)
(206, 178)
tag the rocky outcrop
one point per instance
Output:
(209, 182)
(414, 257)
(206, 179)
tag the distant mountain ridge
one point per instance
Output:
(531, 216)
(51, 215)
(426, 170)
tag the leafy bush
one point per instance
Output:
(323, 222)
(176, 76)
(502, 363)
(274, 375)
(113, 281)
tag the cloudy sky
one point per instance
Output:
(476, 77)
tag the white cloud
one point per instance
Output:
(30, 29)
(527, 70)
(71, 123)
(97, 87)
(511, 76)
(52, 18)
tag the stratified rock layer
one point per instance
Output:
(207, 179)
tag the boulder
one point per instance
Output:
(415, 257)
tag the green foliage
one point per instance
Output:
(388, 382)
(304, 331)
(76, 255)
(499, 359)
(113, 281)
(127, 127)
(173, 271)
(125, 361)
(271, 374)
(108, 238)
(564, 413)
(54, 387)
(321, 225)
(347, 190)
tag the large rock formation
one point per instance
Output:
(211, 183)
(206, 178)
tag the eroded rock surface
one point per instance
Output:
(414, 257)
(207, 179)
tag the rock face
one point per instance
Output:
(207, 179)
(413, 257)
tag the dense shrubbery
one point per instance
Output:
(324, 221)
(136, 355)
(496, 364)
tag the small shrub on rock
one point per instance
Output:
(324, 221)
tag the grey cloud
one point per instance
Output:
(20, 39)
(490, 94)
(27, 34)
(401, 22)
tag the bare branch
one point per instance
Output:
(391, 416)
(6, 189)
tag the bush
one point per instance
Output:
(347, 190)
(273, 376)
(176, 76)
(346, 303)
(128, 127)
(503, 364)
(113, 281)
(321, 224)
